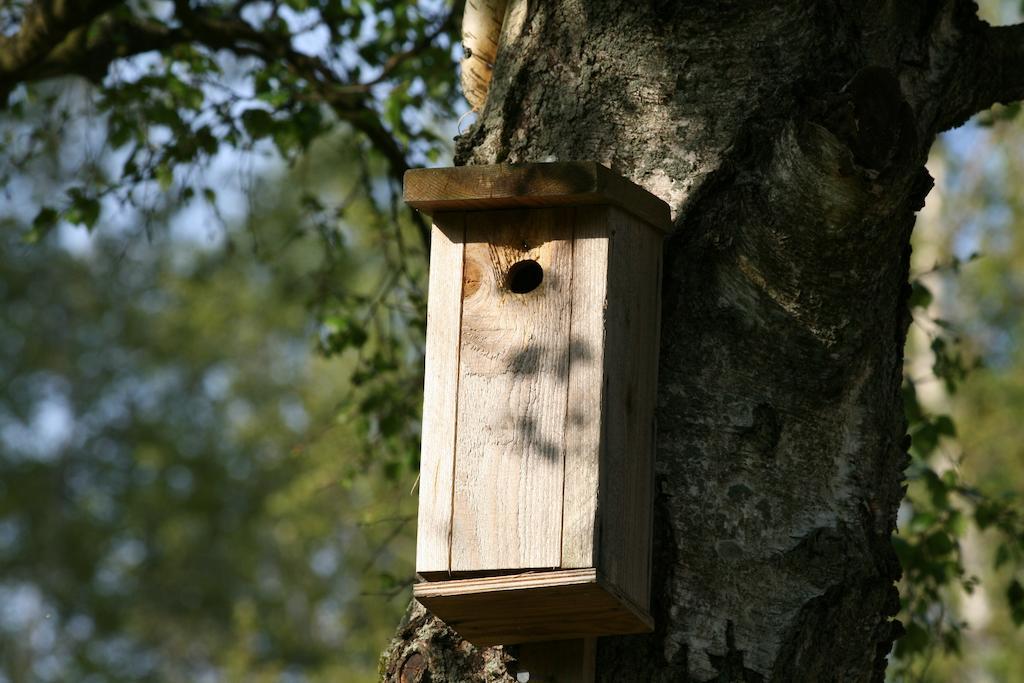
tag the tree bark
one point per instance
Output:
(789, 139)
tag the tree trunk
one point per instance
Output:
(789, 139)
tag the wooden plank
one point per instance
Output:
(440, 393)
(514, 358)
(586, 386)
(559, 578)
(498, 186)
(559, 661)
(627, 471)
(538, 606)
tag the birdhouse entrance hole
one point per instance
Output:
(524, 277)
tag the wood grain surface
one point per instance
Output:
(540, 606)
(498, 186)
(440, 392)
(514, 363)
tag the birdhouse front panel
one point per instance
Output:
(541, 360)
(513, 380)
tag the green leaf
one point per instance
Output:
(275, 98)
(310, 202)
(258, 123)
(164, 176)
(915, 639)
(911, 407)
(1000, 112)
(905, 551)
(84, 210)
(920, 296)
(921, 521)
(937, 488)
(957, 523)
(1002, 555)
(944, 426)
(1015, 601)
(42, 224)
(985, 514)
(951, 642)
(939, 544)
(925, 440)
(184, 94)
(340, 333)
(121, 133)
(206, 140)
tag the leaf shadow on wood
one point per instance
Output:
(528, 362)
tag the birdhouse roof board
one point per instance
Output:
(507, 186)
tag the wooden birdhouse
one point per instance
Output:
(541, 361)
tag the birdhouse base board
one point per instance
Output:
(532, 607)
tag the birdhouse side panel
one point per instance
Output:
(586, 386)
(513, 367)
(631, 369)
(440, 392)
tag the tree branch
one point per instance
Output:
(1005, 66)
(88, 51)
(56, 40)
(239, 36)
(991, 71)
(396, 60)
(46, 24)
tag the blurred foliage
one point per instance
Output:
(961, 532)
(181, 497)
(211, 331)
(961, 528)
(201, 78)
